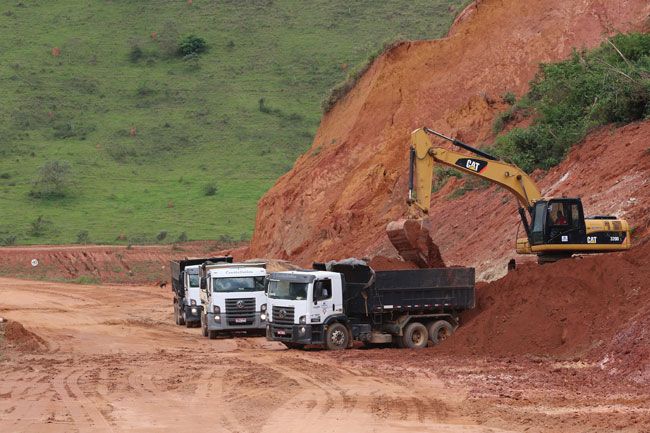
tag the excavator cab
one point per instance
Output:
(558, 221)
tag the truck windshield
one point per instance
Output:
(279, 289)
(194, 281)
(238, 284)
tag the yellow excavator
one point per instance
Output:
(555, 228)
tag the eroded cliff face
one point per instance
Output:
(340, 195)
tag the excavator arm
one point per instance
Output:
(411, 237)
(424, 156)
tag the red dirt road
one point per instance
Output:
(113, 361)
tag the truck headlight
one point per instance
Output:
(193, 302)
(263, 308)
(302, 330)
(217, 319)
(216, 309)
(302, 320)
(263, 317)
(194, 311)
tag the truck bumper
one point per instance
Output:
(301, 334)
(232, 323)
(192, 313)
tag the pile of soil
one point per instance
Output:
(591, 307)
(16, 337)
(340, 195)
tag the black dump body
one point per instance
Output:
(178, 266)
(414, 291)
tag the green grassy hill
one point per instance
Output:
(154, 142)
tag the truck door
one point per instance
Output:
(322, 297)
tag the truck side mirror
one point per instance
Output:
(204, 283)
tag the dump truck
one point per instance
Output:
(185, 285)
(338, 303)
(233, 298)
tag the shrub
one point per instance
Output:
(39, 226)
(53, 181)
(610, 84)
(210, 189)
(191, 45)
(182, 237)
(8, 240)
(136, 53)
(509, 98)
(83, 237)
(161, 235)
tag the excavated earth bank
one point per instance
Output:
(340, 195)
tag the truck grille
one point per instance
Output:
(240, 308)
(282, 315)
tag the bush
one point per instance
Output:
(509, 98)
(182, 237)
(83, 237)
(7, 240)
(610, 84)
(191, 45)
(161, 236)
(39, 227)
(135, 54)
(210, 189)
(53, 181)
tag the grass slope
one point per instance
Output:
(145, 136)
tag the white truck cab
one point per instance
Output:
(301, 302)
(233, 298)
(192, 293)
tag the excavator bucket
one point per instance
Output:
(412, 240)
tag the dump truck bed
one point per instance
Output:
(431, 289)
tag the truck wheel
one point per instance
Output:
(337, 337)
(189, 324)
(212, 335)
(204, 327)
(439, 331)
(415, 336)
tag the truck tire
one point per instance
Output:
(189, 324)
(415, 336)
(212, 335)
(337, 337)
(204, 326)
(439, 331)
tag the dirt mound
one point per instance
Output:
(18, 338)
(340, 195)
(594, 307)
(92, 264)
